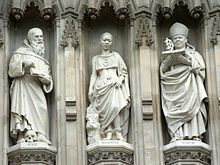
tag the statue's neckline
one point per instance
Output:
(106, 55)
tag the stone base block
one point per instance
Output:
(34, 153)
(187, 152)
(110, 152)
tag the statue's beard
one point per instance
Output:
(38, 48)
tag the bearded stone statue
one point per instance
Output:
(32, 78)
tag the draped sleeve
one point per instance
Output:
(16, 66)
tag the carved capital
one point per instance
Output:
(93, 13)
(215, 30)
(70, 34)
(1, 38)
(46, 13)
(197, 12)
(166, 12)
(144, 31)
(17, 13)
(122, 13)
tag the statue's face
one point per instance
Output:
(106, 42)
(179, 41)
(37, 37)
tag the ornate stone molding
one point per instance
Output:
(17, 13)
(196, 9)
(189, 156)
(189, 151)
(32, 153)
(19, 7)
(70, 34)
(147, 115)
(122, 12)
(111, 156)
(120, 7)
(144, 31)
(166, 12)
(71, 115)
(215, 30)
(46, 13)
(1, 38)
(28, 156)
(197, 12)
(110, 152)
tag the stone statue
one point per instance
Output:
(31, 75)
(183, 94)
(109, 95)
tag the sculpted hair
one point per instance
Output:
(31, 32)
(106, 33)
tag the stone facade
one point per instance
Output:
(139, 27)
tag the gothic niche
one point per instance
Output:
(194, 40)
(98, 22)
(19, 26)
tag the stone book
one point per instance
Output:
(165, 54)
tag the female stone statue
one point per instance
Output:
(108, 113)
(182, 89)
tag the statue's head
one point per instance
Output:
(106, 40)
(179, 33)
(35, 38)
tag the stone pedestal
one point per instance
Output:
(187, 152)
(34, 153)
(110, 152)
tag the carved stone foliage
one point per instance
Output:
(29, 157)
(196, 9)
(110, 156)
(187, 157)
(144, 32)
(215, 30)
(19, 7)
(187, 152)
(70, 34)
(120, 8)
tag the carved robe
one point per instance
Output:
(28, 103)
(108, 100)
(183, 95)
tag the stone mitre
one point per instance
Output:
(178, 28)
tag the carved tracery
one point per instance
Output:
(215, 30)
(120, 7)
(144, 32)
(19, 7)
(69, 34)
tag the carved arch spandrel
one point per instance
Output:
(120, 7)
(45, 7)
(167, 7)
